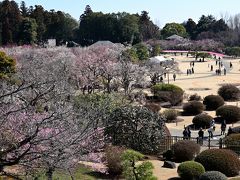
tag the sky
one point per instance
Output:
(160, 11)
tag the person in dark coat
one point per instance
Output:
(200, 136)
(225, 71)
(185, 133)
(223, 127)
(230, 131)
(161, 79)
(174, 76)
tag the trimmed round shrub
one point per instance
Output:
(168, 93)
(202, 121)
(232, 138)
(229, 92)
(230, 113)
(190, 170)
(185, 150)
(212, 102)
(233, 142)
(193, 108)
(213, 175)
(170, 114)
(154, 107)
(113, 158)
(236, 130)
(165, 87)
(194, 97)
(222, 160)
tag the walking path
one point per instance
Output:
(202, 79)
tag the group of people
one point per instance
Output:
(211, 129)
(190, 71)
(187, 133)
(219, 72)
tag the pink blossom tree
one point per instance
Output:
(39, 126)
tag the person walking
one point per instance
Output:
(192, 70)
(200, 136)
(210, 132)
(212, 123)
(174, 76)
(161, 79)
(230, 131)
(224, 71)
(211, 67)
(185, 133)
(223, 127)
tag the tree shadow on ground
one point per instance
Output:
(100, 175)
(175, 178)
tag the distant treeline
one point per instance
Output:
(34, 25)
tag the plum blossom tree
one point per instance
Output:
(156, 70)
(129, 73)
(96, 65)
(39, 126)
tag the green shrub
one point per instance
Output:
(230, 113)
(233, 142)
(7, 65)
(222, 160)
(154, 107)
(170, 114)
(142, 51)
(113, 159)
(137, 128)
(213, 175)
(132, 171)
(233, 51)
(194, 97)
(190, 170)
(185, 150)
(212, 102)
(229, 92)
(193, 108)
(202, 121)
(168, 93)
(236, 130)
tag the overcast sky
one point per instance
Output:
(160, 11)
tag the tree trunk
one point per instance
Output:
(71, 175)
(49, 173)
(108, 85)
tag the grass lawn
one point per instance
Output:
(81, 172)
